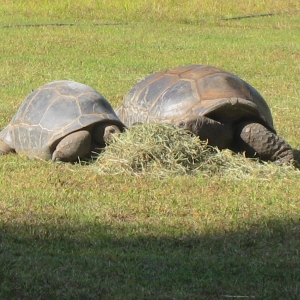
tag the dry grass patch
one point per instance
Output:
(160, 150)
(157, 149)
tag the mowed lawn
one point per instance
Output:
(72, 232)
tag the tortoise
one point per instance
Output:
(213, 104)
(61, 120)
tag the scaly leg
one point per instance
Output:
(257, 141)
(75, 145)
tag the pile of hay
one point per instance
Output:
(161, 150)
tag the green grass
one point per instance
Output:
(68, 232)
(186, 11)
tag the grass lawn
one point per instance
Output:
(72, 232)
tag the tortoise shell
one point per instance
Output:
(191, 91)
(53, 111)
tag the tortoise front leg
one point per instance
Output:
(257, 141)
(75, 145)
(5, 148)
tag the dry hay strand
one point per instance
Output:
(162, 150)
(234, 166)
(159, 149)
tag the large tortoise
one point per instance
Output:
(63, 121)
(213, 104)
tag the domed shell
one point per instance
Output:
(53, 111)
(191, 91)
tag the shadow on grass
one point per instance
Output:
(97, 261)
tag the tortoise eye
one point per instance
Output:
(181, 125)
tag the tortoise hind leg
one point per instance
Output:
(257, 141)
(5, 148)
(75, 145)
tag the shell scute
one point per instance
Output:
(196, 72)
(73, 88)
(170, 103)
(37, 105)
(222, 85)
(63, 111)
(89, 104)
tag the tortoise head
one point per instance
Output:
(103, 133)
(216, 133)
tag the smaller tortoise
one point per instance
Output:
(63, 121)
(214, 104)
